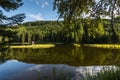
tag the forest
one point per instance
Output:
(75, 27)
(82, 31)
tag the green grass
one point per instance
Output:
(49, 45)
(107, 46)
(42, 45)
(110, 74)
(34, 46)
(77, 45)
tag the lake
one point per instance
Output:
(61, 61)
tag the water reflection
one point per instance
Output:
(55, 63)
(83, 56)
(14, 70)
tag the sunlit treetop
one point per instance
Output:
(72, 8)
(95, 8)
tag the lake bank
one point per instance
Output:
(43, 45)
(106, 46)
(33, 46)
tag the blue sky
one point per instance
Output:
(36, 10)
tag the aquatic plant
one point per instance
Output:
(106, 74)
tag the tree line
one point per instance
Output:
(89, 31)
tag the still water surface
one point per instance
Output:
(62, 60)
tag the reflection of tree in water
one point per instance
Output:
(4, 56)
(67, 55)
(116, 56)
(78, 54)
(81, 55)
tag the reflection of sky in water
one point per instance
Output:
(11, 68)
(14, 70)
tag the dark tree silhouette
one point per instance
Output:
(8, 5)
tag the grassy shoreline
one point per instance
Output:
(106, 46)
(33, 46)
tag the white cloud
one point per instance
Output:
(36, 16)
(44, 4)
